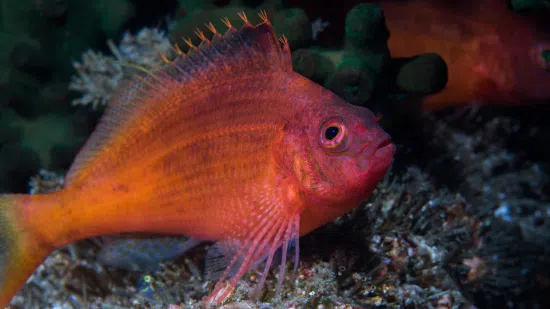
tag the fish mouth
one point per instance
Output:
(383, 144)
(376, 155)
(385, 147)
(382, 141)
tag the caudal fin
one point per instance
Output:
(21, 252)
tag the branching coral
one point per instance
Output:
(100, 75)
(45, 182)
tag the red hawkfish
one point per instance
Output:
(493, 55)
(225, 144)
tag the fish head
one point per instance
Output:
(338, 153)
(352, 151)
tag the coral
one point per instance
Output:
(113, 14)
(100, 75)
(295, 25)
(508, 264)
(27, 145)
(353, 72)
(363, 72)
(529, 5)
(423, 74)
(45, 182)
(43, 35)
(39, 38)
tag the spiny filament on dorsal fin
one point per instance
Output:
(211, 27)
(200, 34)
(164, 57)
(227, 23)
(156, 69)
(263, 16)
(283, 39)
(149, 73)
(178, 50)
(251, 49)
(205, 43)
(190, 43)
(243, 16)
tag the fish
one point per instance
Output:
(494, 56)
(223, 144)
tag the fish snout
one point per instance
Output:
(376, 154)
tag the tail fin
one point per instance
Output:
(21, 252)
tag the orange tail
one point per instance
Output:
(21, 249)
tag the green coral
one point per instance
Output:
(39, 41)
(363, 71)
(529, 5)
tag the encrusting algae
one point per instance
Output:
(224, 144)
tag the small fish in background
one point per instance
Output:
(225, 144)
(147, 286)
(150, 288)
(494, 56)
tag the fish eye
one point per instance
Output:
(334, 135)
(332, 132)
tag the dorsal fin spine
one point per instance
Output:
(179, 68)
(227, 23)
(201, 35)
(179, 53)
(178, 50)
(145, 81)
(155, 76)
(216, 37)
(243, 16)
(250, 48)
(211, 27)
(164, 58)
(189, 43)
(263, 16)
(205, 44)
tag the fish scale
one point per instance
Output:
(172, 135)
(225, 144)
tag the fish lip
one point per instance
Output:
(384, 149)
(382, 141)
(376, 155)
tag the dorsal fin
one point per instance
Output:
(249, 49)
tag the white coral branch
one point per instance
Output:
(99, 75)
